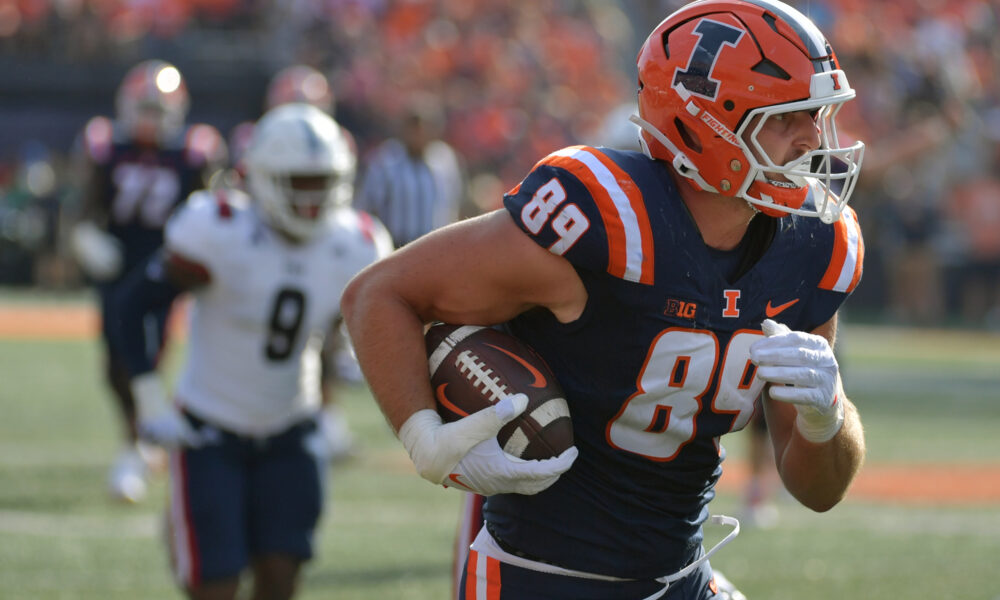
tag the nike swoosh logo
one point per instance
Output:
(455, 478)
(772, 311)
(539, 381)
(439, 393)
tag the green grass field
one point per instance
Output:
(925, 397)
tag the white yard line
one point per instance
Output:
(79, 526)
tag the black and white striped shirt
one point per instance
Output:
(411, 196)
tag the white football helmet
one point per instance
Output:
(299, 164)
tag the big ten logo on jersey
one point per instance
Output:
(681, 309)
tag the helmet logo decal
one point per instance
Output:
(697, 76)
(311, 139)
(836, 80)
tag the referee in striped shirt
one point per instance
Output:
(413, 183)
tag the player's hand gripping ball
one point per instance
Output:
(474, 367)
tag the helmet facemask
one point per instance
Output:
(829, 172)
(297, 203)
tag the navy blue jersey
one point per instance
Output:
(657, 367)
(137, 187)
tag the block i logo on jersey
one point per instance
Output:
(732, 309)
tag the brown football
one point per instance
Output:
(473, 367)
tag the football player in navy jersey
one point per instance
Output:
(667, 289)
(138, 168)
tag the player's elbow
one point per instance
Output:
(362, 296)
(352, 299)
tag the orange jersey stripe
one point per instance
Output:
(620, 203)
(470, 575)
(492, 579)
(634, 195)
(482, 578)
(839, 255)
(860, 262)
(844, 270)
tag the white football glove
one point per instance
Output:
(804, 372)
(488, 470)
(159, 420)
(465, 453)
(98, 253)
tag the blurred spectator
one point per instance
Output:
(974, 210)
(29, 215)
(413, 183)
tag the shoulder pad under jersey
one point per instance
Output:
(200, 227)
(98, 139)
(580, 203)
(204, 146)
(368, 237)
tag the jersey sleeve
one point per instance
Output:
(367, 237)
(195, 231)
(842, 271)
(205, 148)
(580, 204)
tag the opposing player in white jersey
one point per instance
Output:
(266, 272)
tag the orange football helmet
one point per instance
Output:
(710, 75)
(152, 101)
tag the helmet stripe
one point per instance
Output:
(813, 39)
(311, 138)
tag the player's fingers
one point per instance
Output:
(530, 487)
(802, 396)
(564, 461)
(546, 472)
(549, 468)
(772, 328)
(510, 407)
(786, 375)
(791, 356)
(486, 423)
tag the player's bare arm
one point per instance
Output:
(817, 474)
(480, 271)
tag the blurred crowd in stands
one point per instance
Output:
(517, 80)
